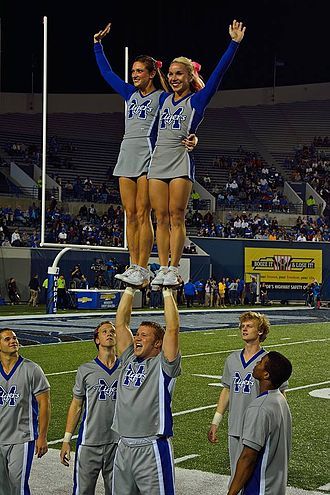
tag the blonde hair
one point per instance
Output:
(193, 68)
(263, 323)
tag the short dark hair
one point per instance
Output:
(159, 331)
(96, 331)
(279, 368)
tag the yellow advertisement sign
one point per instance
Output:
(285, 266)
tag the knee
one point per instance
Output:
(131, 216)
(162, 218)
(143, 215)
(177, 217)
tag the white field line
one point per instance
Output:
(185, 458)
(197, 409)
(271, 345)
(214, 352)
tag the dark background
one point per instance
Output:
(296, 32)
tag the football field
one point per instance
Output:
(197, 390)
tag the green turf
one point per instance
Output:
(308, 466)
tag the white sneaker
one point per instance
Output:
(172, 278)
(159, 278)
(139, 277)
(121, 276)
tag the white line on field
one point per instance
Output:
(326, 487)
(216, 352)
(208, 376)
(307, 386)
(271, 345)
(185, 458)
(61, 373)
(53, 442)
(197, 409)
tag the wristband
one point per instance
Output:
(67, 437)
(130, 291)
(217, 418)
(167, 292)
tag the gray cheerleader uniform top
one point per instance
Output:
(180, 118)
(141, 121)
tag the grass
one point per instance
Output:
(310, 364)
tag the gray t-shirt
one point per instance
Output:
(237, 376)
(97, 386)
(267, 429)
(145, 390)
(18, 403)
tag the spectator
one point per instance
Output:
(34, 286)
(189, 293)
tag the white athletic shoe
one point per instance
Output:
(159, 278)
(139, 277)
(172, 277)
(121, 276)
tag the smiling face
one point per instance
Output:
(146, 344)
(141, 76)
(9, 344)
(179, 79)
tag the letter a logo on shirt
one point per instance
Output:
(134, 376)
(10, 397)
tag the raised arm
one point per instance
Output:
(43, 400)
(123, 318)
(203, 97)
(120, 86)
(222, 407)
(172, 322)
(72, 419)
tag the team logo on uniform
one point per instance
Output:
(10, 397)
(134, 375)
(243, 384)
(140, 110)
(105, 390)
(174, 120)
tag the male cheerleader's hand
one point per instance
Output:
(100, 35)
(41, 446)
(212, 434)
(190, 142)
(236, 31)
(65, 453)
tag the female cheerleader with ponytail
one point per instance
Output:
(171, 171)
(141, 122)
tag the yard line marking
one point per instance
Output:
(271, 345)
(216, 352)
(307, 386)
(208, 376)
(326, 487)
(197, 409)
(61, 373)
(53, 442)
(185, 458)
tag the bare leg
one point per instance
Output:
(179, 193)
(128, 194)
(145, 229)
(158, 192)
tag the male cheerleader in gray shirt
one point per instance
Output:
(94, 392)
(143, 418)
(24, 415)
(240, 387)
(262, 467)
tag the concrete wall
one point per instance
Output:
(100, 103)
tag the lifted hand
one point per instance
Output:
(236, 31)
(100, 35)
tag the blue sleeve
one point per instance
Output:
(124, 89)
(203, 97)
